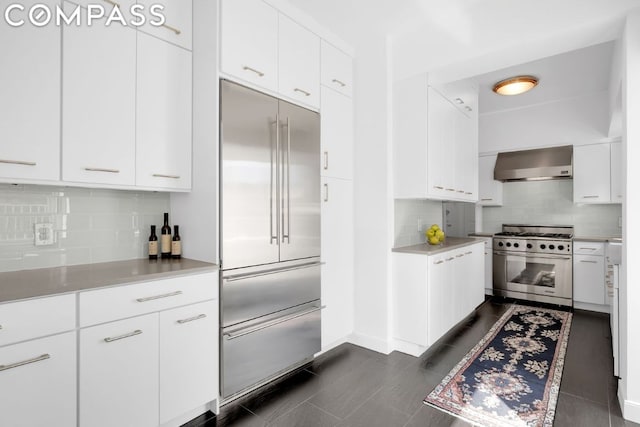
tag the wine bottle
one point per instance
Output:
(176, 244)
(153, 244)
(165, 244)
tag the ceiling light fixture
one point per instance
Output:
(515, 85)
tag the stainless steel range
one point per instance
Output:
(534, 263)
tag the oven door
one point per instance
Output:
(547, 275)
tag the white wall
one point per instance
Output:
(567, 121)
(373, 202)
(412, 217)
(629, 390)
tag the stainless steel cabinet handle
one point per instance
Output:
(342, 84)
(587, 249)
(102, 170)
(25, 362)
(460, 191)
(121, 337)
(174, 29)
(191, 319)
(438, 262)
(590, 197)
(486, 200)
(304, 92)
(326, 192)
(286, 231)
(17, 162)
(245, 276)
(326, 160)
(171, 294)
(450, 259)
(589, 262)
(468, 193)
(437, 187)
(468, 253)
(450, 189)
(267, 324)
(258, 72)
(160, 175)
(460, 255)
(272, 197)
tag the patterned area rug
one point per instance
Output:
(512, 376)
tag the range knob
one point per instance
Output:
(515, 245)
(543, 246)
(500, 244)
(552, 247)
(560, 247)
(529, 246)
(508, 244)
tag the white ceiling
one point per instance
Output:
(567, 75)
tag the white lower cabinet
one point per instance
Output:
(337, 255)
(188, 358)
(119, 373)
(432, 293)
(38, 382)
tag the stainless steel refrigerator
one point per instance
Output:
(270, 237)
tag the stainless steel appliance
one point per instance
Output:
(270, 237)
(536, 164)
(534, 263)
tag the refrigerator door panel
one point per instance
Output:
(258, 352)
(248, 181)
(253, 293)
(300, 183)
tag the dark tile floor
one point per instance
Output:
(353, 386)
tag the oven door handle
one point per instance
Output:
(532, 255)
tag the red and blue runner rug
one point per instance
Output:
(512, 376)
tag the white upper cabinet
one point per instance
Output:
(163, 132)
(250, 42)
(490, 190)
(178, 21)
(592, 173)
(337, 135)
(299, 62)
(30, 100)
(616, 172)
(337, 69)
(435, 144)
(98, 103)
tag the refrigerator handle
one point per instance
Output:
(271, 196)
(286, 232)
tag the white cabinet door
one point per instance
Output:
(30, 100)
(336, 69)
(337, 254)
(465, 158)
(336, 121)
(98, 102)
(119, 373)
(490, 189)
(616, 172)
(40, 388)
(250, 42)
(163, 147)
(298, 62)
(440, 160)
(188, 358)
(177, 28)
(588, 279)
(591, 173)
(440, 298)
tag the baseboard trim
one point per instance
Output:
(591, 307)
(631, 411)
(409, 348)
(333, 345)
(372, 343)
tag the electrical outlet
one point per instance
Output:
(43, 234)
(419, 224)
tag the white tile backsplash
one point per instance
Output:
(412, 218)
(550, 202)
(90, 225)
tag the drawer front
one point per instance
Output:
(38, 382)
(119, 302)
(256, 353)
(20, 321)
(588, 248)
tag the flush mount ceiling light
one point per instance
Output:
(515, 85)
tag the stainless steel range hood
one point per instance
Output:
(532, 165)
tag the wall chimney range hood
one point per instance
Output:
(535, 165)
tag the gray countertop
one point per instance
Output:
(23, 284)
(616, 239)
(480, 234)
(427, 249)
